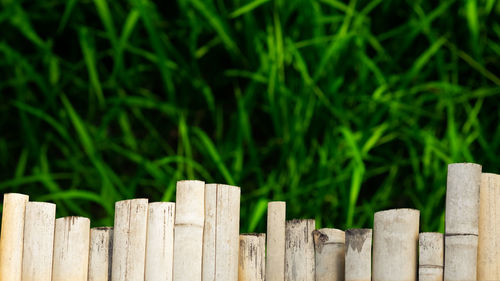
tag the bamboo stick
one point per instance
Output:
(463, 251)
(160, 241)
(488, 252)
(228, 230)
(209, 233)
(299, 251)
(129, 240)
(188, 230)
(358, 256)
(221, 232)
(431, 258)
(101, 250)
(71, 249)
(39, 224)
(329, 245)
(275, 259)
(11, 240)
(395, 242)
(461, 228)
(252, 260)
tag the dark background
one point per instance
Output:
(340, 108)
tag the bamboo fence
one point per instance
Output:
(197, 238)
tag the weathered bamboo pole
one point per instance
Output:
(101, 250)
(11, 239)
(228, 230)
(71, 249)
(395, 245)
(188, 230)
(488, 252)
(329, 246)
(431, 256)
(209, 233)
(299, 250)
(462, 216)
(39, 224)
(160, 241)
(129, 240)
(358, 256)
(275, 259)
(252, 260)
(221, 232)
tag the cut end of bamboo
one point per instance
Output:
(252, 256)
(12, 233)
(100, 255)
(276, 225)
(431, 256)
(395, 243)
(190, 206)
(329, 244)
(462, 198)
(358, 258)
(71, 249)
(488, 252)
(299, 250)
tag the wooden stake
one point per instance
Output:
(299, 250)
(462, 216)
(160, 241)
(431, 258)
(188, 231)
(39, 224)
(488, 252)
(129, 240)
(275, 262)
(395, 243)
(329, 245)
(252, 261)
(11, 240)
(101, 250)
(71, 249)
(358, 256)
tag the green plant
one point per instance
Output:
(339, 108)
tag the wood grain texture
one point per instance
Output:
(488, 252)
(431, 256)
(129, 240)
(358, 257)
(71, 249)
(101, 251)
(160, 241)
(299, 250)
(11, 239)
(38, 246)
(252, 257)
(329, 246)
(188, 230)
(275, 258)
(395, 245)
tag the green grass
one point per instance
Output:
(340, 108)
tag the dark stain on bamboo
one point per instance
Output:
(355, 238)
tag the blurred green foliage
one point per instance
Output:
(339, 108)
